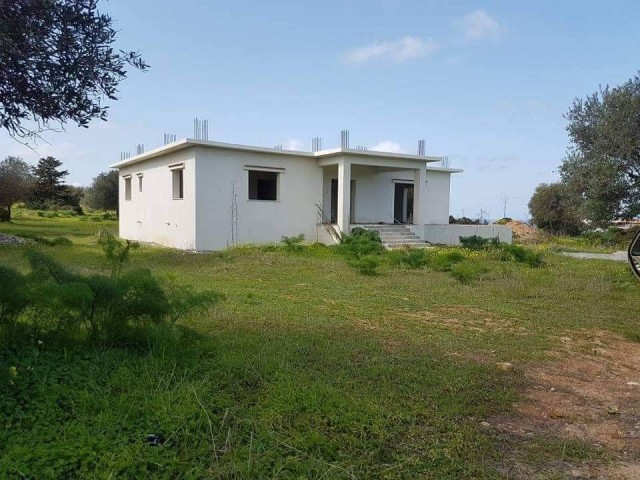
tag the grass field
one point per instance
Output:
(307, 370)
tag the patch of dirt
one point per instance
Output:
(589, 391)
(525, 233)
(461, 318)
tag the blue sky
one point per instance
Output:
(485, 83)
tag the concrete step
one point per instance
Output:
(416, 241)
(395, 236)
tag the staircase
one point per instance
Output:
(395, 236)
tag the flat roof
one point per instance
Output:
(190, 142)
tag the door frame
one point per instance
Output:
(333, 201)
(404, 185)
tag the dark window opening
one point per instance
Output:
(263, 185)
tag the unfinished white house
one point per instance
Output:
(205, 195)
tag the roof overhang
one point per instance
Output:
(325, 156)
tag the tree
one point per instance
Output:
(49, 189)
(16, 183)
(602, 167)
(553, 209)
(57, 64)
(103, 192)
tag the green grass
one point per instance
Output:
(308, 370)
(581, 244)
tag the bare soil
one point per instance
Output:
(525, 233)
(589, 390)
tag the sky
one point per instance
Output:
(485, 83)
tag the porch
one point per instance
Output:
(364, 191)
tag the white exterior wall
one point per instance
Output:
(153, 215)
(436, 201)
(220, 172)
(450, 234)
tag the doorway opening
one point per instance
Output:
(403, 203)
(334, 201)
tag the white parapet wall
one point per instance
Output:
(450, 234)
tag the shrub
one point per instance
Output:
(467, 270)
(294, 244)
(56, 302)
(475, 242)
(412, 257)
(612, 236)
(61, 242)
(49, 242)
(360, 243)
(444, 261)
(116, 251)
(366, 264)
(521, 255)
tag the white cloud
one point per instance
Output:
(388, 146)
(479, 25)
(398, 51)
(293, 144)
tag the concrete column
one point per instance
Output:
(344, 195)
(419, 195)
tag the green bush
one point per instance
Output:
(475, 242)
(116, 251)
(520, 254)
(467, 270)
(443, 262)
(57, 303)
(50, 242)
(366, 264)
(611, 237)
(61, 242)
(360, 242)
(412, 257)
(293, 244)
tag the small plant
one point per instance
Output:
(61, 242)
(475, 242)
(49, 242)
(444, 261)
(360, 242)
(293, 244)
(366, 264)
(467, 271)
(521, 254)
(412, 257)
(116, 251)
